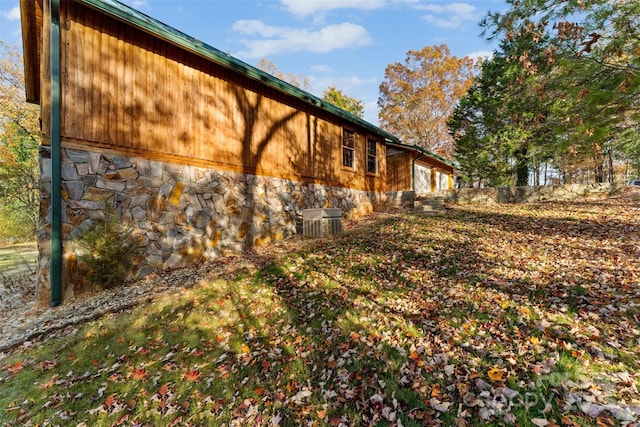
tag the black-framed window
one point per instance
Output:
(372, 156)
(348, 149)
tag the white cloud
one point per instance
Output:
(452, 15)
(480, 54)
(320, 68)
(371, 112)
(283, 39)
(254, 26)
(12, 14)
(139, 4)
(350, 85)
(311, 7)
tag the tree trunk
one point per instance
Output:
(522, 168)
(611, 171)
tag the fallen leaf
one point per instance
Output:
(497, 375)
(138, 374)
(192, 375)
(109, 401)
(540, 422)
(16, 367)
(164, 390)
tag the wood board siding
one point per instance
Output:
(403, 166)
(123, 89)
(399, 172)
(31, 15)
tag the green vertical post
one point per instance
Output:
(55, 270)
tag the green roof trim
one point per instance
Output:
(424, 152)
(156, 28)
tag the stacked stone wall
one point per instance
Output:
(400, 199)
(179, 214)
(489, 196)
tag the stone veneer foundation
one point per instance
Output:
(179, 214)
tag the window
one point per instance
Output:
(348, 149)
(372, 156)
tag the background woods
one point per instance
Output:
(559, 100)
(19, 139)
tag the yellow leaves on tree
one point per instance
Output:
(19, 140)
(296, 80)
(418, 96)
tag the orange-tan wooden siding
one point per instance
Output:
(31, 15)
(399, 176)
(400, 170)
(126, 91)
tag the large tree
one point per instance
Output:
(418, 96)
(19, 140)
(347, 103)
(594, 46)
(501, 125)
(561, 90)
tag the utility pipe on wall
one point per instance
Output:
(55, 266)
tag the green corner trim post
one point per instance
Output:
(55, 271)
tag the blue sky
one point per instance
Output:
(345, 43)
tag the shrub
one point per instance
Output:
(108, 251)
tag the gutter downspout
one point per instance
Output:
(55, 266)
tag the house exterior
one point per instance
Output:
(411, 168)
(199, 153)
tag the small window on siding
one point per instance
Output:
(372, 156)
(348, 149)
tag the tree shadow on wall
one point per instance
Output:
(259, 128)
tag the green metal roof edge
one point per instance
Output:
(170, 34)
(425, 152)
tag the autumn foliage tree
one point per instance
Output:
(19, 140)
(339, 99)
(418, 96)
(296, 80)
(332, 94)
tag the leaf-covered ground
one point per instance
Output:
(519, 314)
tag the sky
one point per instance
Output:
(342, 43)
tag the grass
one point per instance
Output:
(480, 316)
(18, 259)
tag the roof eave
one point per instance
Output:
(421, 151)
(30, 49)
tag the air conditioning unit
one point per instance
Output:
(321, 222)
